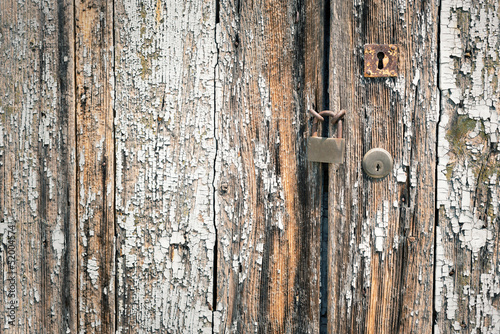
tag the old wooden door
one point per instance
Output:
(154, 177)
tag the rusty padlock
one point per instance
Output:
(329, 150)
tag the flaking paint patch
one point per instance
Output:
(164, 165)
(475, 102)
(381, 227)
(58, 241)
(467, 130)
(35, 137)
(93, 271)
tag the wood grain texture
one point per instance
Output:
(37, 168)
(468, 235)
(95, 169)
(382, 231)
(315, 226)
(268, 196)
(165, 154)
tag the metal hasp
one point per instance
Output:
(381, 60)
(377, 163)
(328, 150)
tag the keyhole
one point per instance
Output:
(381, 57)
(378, 167)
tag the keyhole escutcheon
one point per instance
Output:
(381, 60)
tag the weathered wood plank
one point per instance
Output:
(468, 235)
(37, 168)
(382, 232)
(165, 155)
(314, 234)
(268, 197)
(95, 169)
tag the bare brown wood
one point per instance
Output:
(165, 154)
(95, 169)
(382, 231)
(37, 168)
(468, 238)
(268, 197)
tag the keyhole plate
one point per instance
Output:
(377, 163)
(381, 60)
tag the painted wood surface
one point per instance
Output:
(381, 232)
(268, 197)
(468, 235)
(165, 56)
(95, 165)
(37, 168)
(153, 167)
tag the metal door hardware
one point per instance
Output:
(381, 60)
(377, 163)
(329, 150)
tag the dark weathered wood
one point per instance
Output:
(95, 165)
(37, 167)
(313, 238)
(165, 155)
(468, 235)
(382, 231)
(268, 197)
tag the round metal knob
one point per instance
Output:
(377, 163)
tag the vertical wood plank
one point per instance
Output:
(95, 169)
(468, 238)
(382, 231)
(165, 154)
(37, 168)
(313, 236)
(268, 197)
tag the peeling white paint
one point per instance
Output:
(93, 271)
(164, 165)
(58, 241)
(469, 87)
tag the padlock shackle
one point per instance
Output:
(335, 117)
(316, 115)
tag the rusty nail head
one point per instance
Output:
(223, 187)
